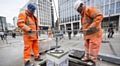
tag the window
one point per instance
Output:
(117, 0)
(92, 2)
(88, 2)
(97, 3)
(101, 2)
(106, 1)
(112, 1)
(106, 9)
(85, 2)
(101, 9)
(112, 9)
(118, 7)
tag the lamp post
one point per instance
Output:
(108, 27)
(109, 18)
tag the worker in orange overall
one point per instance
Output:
(91, 18)
(49, 32)
(28, 23)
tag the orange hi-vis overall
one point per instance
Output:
(49, 32)
(27, 22)
(91, 17)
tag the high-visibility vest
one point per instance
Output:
(27, 22)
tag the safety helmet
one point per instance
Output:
(31, 7)
(77, 4)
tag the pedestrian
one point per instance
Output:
(28, 23)
(49, 32)
(5, 35)
(2, 35)
(69, 32)
(75, 31)
(13, 34)
(63, 30)
(91, 18)
(110, 30)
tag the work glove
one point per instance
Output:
(89, 30)
(30, 31)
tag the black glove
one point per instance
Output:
(30, 31)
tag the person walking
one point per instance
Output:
(2, 35)
(28, 23)
(91, 18)
(75, 31)
(110, 30)
(69, 32)
(13, 34)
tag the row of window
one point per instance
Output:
(69, 19)
(45, 9)
(45, 19)
(42, 14)
(44, 23)
(111, 10)
(47, 3)
(65, 1)
(98, 2)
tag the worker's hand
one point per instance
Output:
(89, 30)
(30, 31)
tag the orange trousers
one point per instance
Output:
(92, 47)
(49, 34)
(28, 46)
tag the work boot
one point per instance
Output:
(38, 59)
(84, 60)
(28, 63)
(91, 63)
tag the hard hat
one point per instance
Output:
(31, 7)
(77, 4)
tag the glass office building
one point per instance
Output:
(68, 17)
(3, 24)
(45, 13)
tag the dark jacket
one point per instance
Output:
(110, 28)
(69, 31)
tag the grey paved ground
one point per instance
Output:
(11, 54)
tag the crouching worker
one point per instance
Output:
(91, 18)
(29, 26)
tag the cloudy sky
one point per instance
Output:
(10, 8)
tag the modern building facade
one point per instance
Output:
(3, 24)
(43, 13)
(10, 27)
(68, 17)
(15, 21)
